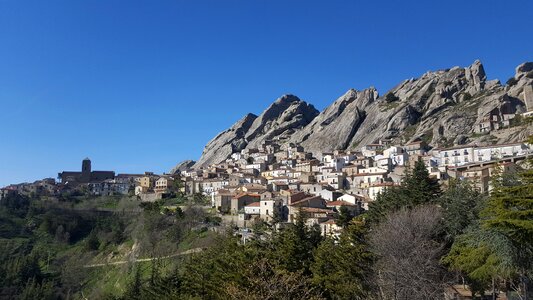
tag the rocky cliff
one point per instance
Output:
(444, 108)
(182, 166)
(279, 121)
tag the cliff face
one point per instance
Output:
(336, 126)
(226, 142)
(182, 166)
(279, 121)
(444, 108)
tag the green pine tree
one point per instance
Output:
(509, 212)
(417, 188)
(461, 205)
(343, 268)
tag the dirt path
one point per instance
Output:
(121, 262)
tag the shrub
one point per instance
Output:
(390, 97)
(512, 81)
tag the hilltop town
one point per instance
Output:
(296, 192)
(293, 159)
(273, 185)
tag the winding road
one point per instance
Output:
(121, 262)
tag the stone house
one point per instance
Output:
(416, 148)
(308, 202)
(164, 185)
(222, 200)
(269, 208)
(239, 201)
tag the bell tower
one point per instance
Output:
(85, 170)
(86, 166)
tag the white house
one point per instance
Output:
(455, 156)
(376, 188)
(268, 208)
(253, 209)
(337, 163)
(350, 198)
(495, 152)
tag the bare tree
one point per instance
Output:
(264, 282)
(408, 255)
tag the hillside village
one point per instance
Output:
(273, 166)
(273, 184)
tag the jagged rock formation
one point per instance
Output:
(227, 142)
(444, 108)
(182, 166)
(279, 121)
(335, 127)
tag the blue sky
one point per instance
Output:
(141, 85)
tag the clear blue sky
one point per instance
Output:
(142, 85)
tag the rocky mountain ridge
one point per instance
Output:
(444, 108)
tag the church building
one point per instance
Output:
(86, 175)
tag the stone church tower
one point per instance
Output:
(86, 170)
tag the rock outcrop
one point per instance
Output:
(443, 107)
(182, 166)
(335, 127)
(278, 122)
(227, 142)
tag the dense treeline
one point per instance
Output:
(45, 245)
(34, 238)
(415, 243)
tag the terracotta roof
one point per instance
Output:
(329, 222)
(306, 199)
(315, 210)
(369, 174)
(253, 204)
(384, 184)
(339, 203)
(245, 194)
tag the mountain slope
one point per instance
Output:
(444, 108)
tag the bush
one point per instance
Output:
(390, 97)
(512, 81)
(92, 242)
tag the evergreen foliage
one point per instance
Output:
(416, 188)
(343, 268)
(461, 204)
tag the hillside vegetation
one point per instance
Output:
(416, 242)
